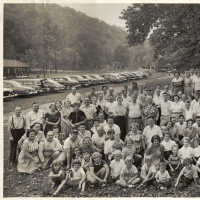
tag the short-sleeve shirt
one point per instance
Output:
(98, 141)
(77, 117)
(116, 167)
(79, 174)
(89, 111)
(162, 176)
(174, 160)
(53, 117)
(74, 98)
(186, 152)
(128, 174)
(168, 145)
(192, 173)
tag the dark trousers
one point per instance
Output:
(121, 121)
(16, 134)
(158, 121)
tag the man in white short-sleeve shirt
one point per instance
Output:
(74, 96)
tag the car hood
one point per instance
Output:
(7, 90)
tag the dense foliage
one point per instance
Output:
(50, 36)
(173, 30)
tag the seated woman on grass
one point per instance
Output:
(49, 150)
(28, 160)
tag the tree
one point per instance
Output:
(174, 31)
(122, 56)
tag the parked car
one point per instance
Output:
(84, 82)
(92, 80)
(72, 82)
(100, 79)
(19, 89)
(139, 75)
(53, 85)
(8, 94)
(63, 82)
(34, 83)
(135, 77)
(112, 77)
(131, 76)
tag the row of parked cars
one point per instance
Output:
(39, 86)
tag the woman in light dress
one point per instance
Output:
(28, 160)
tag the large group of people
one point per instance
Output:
(133, 136)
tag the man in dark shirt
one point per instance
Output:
(77, 117)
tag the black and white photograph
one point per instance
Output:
(101, 99)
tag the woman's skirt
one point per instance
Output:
(27, 165)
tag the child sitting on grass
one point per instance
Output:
(186, 151)
(174, 161)
(162, 177)
(56, 178)
(116, 166)
(129, 175)
(75, 177)
(145, 167)
(188, 174)
(148, 175)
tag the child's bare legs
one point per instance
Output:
(60, 187)
(101, 173)
(135, 181)
(121, 182)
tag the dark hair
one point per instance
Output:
(187, 161)
(198, 117)
(30, 131)
(181, 116)
(32, 126)
(110, 117)
(76, 162)
(190, 120)
(176, 96)
(155, 137)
